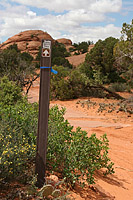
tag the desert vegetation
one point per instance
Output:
(80, 48)
(65, 154)
(75, 157)
(109, 64)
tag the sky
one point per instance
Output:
(78, 20)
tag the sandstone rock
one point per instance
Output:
(21, 45)
(27, 41)
(65, 41)
(33, 45)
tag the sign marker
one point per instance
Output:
(42, 134)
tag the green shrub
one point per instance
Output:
(119, 87)
(10, 93)
(26, 56)
(71, 84)
(61, 61)
(59, 86)
(69, 152)
(68, 84)
(72, 153)
(18, 127)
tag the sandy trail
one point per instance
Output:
(119, 130)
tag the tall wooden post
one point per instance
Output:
(43, 112)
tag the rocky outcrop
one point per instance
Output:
(27, 41)
(65, 41)
(30, 41)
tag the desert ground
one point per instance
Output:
(119, 129)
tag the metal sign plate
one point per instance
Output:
(46, 48)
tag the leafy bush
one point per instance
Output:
(67, 84)
(119, 87)
(72, 153)
(61, 61)
(10, 93)
(26, 56)
(59, 87)
(71, 84)
(78, 82)
(18, 126)
(69, 152)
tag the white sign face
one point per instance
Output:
(46, 48)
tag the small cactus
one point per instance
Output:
(47, 190)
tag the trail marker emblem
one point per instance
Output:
(45, 53)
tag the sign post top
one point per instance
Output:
(46, 48)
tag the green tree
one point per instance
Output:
(123, 52)
(17, 66)
(81, 47)
(101, 59)
(59, 50)
(127, 31)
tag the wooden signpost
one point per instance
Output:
(43, 112)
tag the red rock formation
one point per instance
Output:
(27, 41)
(65, 41)
(30, 41)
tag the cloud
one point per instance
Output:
(73, 24)
(60, 6)
(82, 16)
(95, 33)
(31, 14)
(105, 6)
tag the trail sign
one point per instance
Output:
(46, 48)
(43, 112)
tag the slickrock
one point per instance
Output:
(27, 41)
